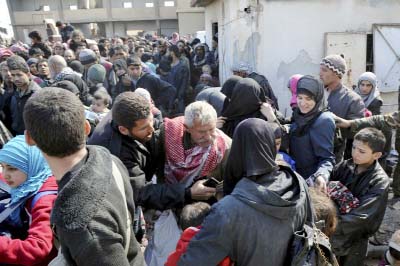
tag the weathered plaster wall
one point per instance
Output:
(282, 38)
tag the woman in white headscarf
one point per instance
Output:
(369, 92)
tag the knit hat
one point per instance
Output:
(32, 61)
(336, 63)
(87, 56)
(242, 67)
(77, 66)
(96, 74)
(5, 52)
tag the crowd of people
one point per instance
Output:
(129, 151)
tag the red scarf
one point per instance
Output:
(181, 163)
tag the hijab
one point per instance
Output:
(29, 160)
(253, 152)
(310, 86)
(292, 85)
(247, 97)
(121, 63)
(227, 89)
(374, 93)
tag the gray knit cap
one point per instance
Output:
(96, 73)
(336, 63)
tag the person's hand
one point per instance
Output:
(200, 192)
(268, 111)
(340, 122)
(220, 122)
(320, 184)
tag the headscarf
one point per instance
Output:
(311, 86)
(374, 93)
(30, 161)
(5, 52)
(292, 85)
(121, 63)
(175, 38)
(229, 84)
(247, 97)
(253, 152)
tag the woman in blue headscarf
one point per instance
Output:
(33, 189)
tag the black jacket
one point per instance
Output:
(371, 188)
(142, 162)
(264, 83)
(89, 214)
(375, 106)
(17, 106)
(162, 93)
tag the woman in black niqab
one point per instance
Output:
(252, 154)
(247, 98)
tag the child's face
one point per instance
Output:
(98, 106)
(13, 176)
(362, 154)
(278, 143)
(33, 69)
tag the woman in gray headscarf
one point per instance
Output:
(369, 92)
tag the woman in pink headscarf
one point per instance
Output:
(292, 85)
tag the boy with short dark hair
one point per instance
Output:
(92, 214)
(22, 79)
(367, 181)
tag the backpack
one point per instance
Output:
(310, 246)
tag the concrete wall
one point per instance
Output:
(282, 38)
(189, 23)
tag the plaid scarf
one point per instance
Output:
(180, 163)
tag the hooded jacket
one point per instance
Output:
(256, 219)
(266, 206)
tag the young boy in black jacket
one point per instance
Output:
(367, 182)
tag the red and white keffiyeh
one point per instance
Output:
(181, 163)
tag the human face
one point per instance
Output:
(33, 69)
(143, 129)
(69, 55)
(278, 143)
(13, 176)
(58, 50)
(305, 103)
(20, 78)
(181, 47)
(140, 52)
(6, 74)
(327, 76)
(95, 49)
(365, 87)
(77, 38)
(202, 135)
(44, 69)
(119, 54)
(119, 70)
(362, 154)
(134, 71)
(131, 44)
(98, 106)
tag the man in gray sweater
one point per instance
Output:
(342, 101)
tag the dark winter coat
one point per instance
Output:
(252, 226)
(371, 188)
(142, 162)
(313, 151)
(89, 214)
(17, 106)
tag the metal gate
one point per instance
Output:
(387, 56)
